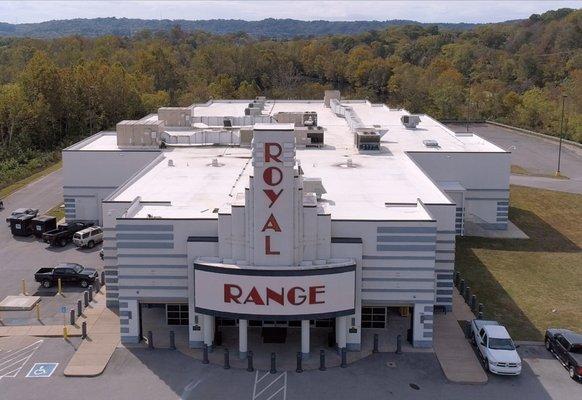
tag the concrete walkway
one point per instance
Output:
(39, 330)
(94, 353)
(453, 350)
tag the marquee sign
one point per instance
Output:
(277, 294)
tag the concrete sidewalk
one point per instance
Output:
(39, 330)
(453, 350)
(94, 353)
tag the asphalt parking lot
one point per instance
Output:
(538, 156)
(166, 374)
(21, 257)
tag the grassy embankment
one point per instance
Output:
(530, 284)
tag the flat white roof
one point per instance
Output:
(380, 185)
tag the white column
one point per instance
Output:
(242, 338)
(208, 330)
(305, 337)
(341, 331)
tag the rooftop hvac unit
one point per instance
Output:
(430, 143)
(410, 121)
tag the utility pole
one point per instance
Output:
(561, 135)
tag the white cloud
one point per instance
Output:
(423, 11)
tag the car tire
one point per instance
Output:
(46, 283)
(84, 284)
(473, 340)
(91, 244)
(63, 242)
(571, 372)
(486, 364)
(548, 345)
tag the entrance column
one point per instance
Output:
(340, 331)
(242, 338)
(305, 338)
(208, 330)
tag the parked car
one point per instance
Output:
(22, 211)
(567, 347)
(42, 224)
(64, 233)
(496, 349)
(88, 237)
(69, 273)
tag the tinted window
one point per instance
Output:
(59, 271)
(485, 339)
(85, 235)
(78, 268)
(501, 344)
(482, 332)
(563, 342)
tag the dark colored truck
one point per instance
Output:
(22, 211)
(64, 233)
(567, 347)
(68, 273)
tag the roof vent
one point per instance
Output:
(215, 162)
(170, 163)
(350, 163)
(430, 143)
(410, 121)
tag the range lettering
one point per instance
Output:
(294, 296)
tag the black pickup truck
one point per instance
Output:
(567, 347)
(69, 273)
(64, 233)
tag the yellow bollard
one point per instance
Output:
(60, 286)
(37, 307)
(65, 333)
(23, 287)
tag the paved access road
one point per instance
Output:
(537, 155)
(165, 374)
(20, 257)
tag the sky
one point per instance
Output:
(418, 10)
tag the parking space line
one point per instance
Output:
(17, 359)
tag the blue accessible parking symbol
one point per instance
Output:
(42, 370)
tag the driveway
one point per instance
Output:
(537, 155)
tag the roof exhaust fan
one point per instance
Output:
(410, 121)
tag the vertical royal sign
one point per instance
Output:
(273, 194)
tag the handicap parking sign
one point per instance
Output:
(42, 370)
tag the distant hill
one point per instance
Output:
(270, 28)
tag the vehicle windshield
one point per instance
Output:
(501, 344)
(78, 268)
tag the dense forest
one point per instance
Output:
(56, 91)
(267, 28)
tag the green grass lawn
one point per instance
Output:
(530, 284)
(8, 190)
(57, 211)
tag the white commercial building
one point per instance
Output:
(286, 213)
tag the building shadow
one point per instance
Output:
(543, 237)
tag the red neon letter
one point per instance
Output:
(254, 297)
(270, 156)
(272, 195)
(271, 224)
(275, 296)
(229, 295)
(268, 250)
(270, 178)
(313, 292)
(292, 296)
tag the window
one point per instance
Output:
(562, 340)
(177, 314)
(374, 317)
(484, 341)
(501, 344)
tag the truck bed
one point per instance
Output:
(45, 270)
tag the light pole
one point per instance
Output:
(561, 135)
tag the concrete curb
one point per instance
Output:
(532, 133)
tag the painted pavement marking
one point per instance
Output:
(42, 370)
(190, 387)
(13, 360)
(270, 386)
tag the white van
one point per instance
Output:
(88, 237)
